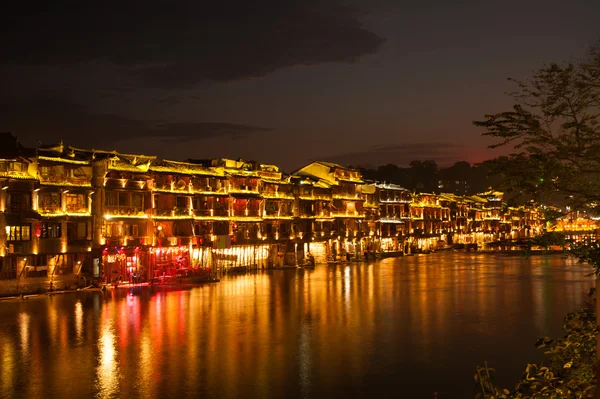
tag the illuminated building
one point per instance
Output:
(395, 205)
(133, 216)
(342, 216)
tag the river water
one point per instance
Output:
(405, 327)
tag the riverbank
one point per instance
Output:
(30, 286)
(39, 285)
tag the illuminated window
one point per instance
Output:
(48, 200)
(17, 167)
(76, 202)
(50, 230)
(18, 233)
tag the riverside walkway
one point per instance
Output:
(37, 285)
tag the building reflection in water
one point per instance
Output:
(78, 321)
(417, 324)
(24, 328)
(107, 375)
(8, 366)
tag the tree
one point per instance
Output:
(554, 130)
(424, 175)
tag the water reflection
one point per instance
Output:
(107, 377)
(24, 333)
(416, 324)
(78, 320)
(8, 364)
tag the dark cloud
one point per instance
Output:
(400, 154)
(182, 42)
(50, 120)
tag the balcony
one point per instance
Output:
(347, 196)
(278, 215)
(77, 209)
(277, 194)
(58, 180)
(244, 189)
(211, 213)
(347, 214)
(321, 233)
(307, 214)
(246, 213)
(392, 218)
(172, 213)
(246, 216)
(127, 241)
(125, 211)
(207, 190)
(50, 209)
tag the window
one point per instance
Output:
(137, 201)
(17, 167)
(77, 173)
(49, 200)
(18, 233)
(50, 230)
(111, 198)
(221, 228)
(18, 202)
(123, 199)
(120, 229)
(240, 205)
(75, 202)
(182, 202)
(77, 231)
(112, 229)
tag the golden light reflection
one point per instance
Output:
(9, 367)
(258, 334)
(347, 287)
(78, 320)
(24, 321)
(146, 373)
(107, 372)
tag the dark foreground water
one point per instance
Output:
(403, 328)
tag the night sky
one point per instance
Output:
(277, 81)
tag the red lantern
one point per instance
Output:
(38, 230)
